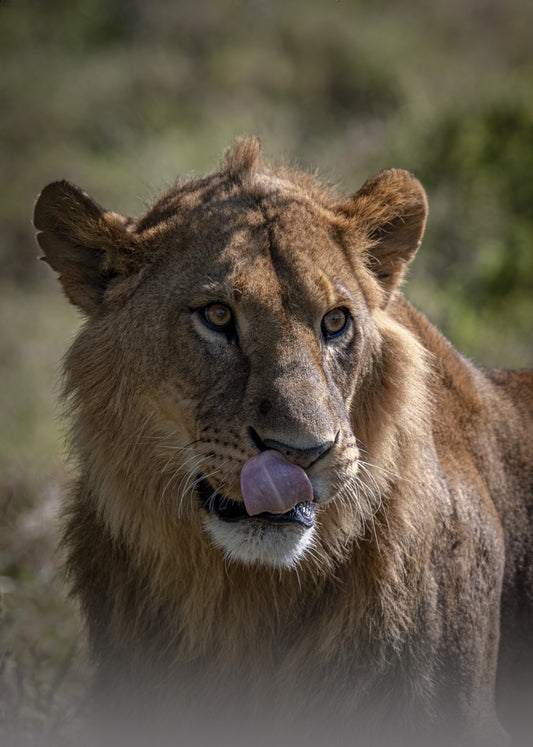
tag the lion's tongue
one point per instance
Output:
(270, 483)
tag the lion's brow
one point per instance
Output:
(331, 292)
(218, 289)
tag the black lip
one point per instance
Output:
(233, 511)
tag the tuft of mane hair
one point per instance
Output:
(242, 161)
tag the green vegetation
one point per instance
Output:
(122, 96)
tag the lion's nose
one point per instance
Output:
(303, 457)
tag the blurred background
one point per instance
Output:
(122, 96)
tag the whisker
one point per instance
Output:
(390, 473)
(197, 461)
(171, 447)
(193, 479)
(192, 475)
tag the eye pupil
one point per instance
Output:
(334, 322)
(217, 315)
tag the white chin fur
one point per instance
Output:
(255, 541)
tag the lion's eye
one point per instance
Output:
(335, 322)
(218, 316)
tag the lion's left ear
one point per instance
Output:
(390, 212)
(86, 245)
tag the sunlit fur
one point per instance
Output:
(386, 611)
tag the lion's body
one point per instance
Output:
(387, 605)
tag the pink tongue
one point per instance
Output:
(270, 483)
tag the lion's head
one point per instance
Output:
(236, 337)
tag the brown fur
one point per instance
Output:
(422, 547)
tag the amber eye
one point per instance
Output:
(217, 316)
(335, 322)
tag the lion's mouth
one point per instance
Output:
(232, 511)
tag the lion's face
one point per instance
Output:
(266, 349)
(238, 319)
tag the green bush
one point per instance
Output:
(477, 260)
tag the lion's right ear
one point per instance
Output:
(86, 245)
(389, 212)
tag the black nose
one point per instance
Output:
(302, 457)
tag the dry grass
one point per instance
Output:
(43, 664)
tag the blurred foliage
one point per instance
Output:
(121, 96)
(475, 272)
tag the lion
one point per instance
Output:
(299, 511)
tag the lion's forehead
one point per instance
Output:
(275, 250)
(272, 209)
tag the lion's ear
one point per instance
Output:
(390, 211)
(86, 245)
